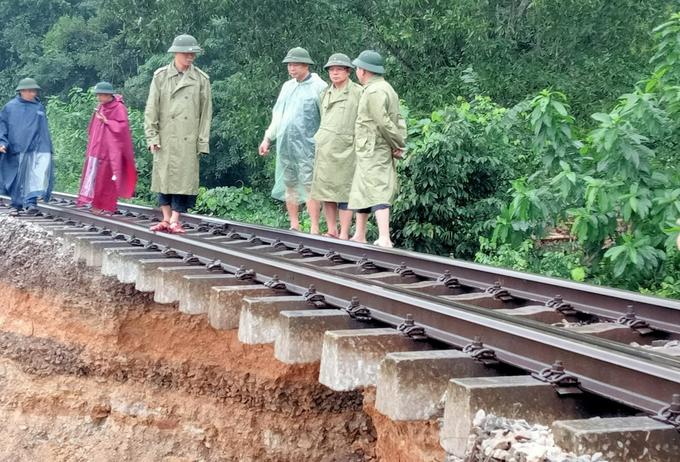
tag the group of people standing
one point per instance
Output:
(26, 164)
(336, 144)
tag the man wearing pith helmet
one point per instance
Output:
(334, 161)
(177, 125)
(295, 120)
(26, 170)
(380, 141)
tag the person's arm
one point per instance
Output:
(151, 116)
(117, 121)
(270, 133)
(4, 129)
(394, 134)
(206, 118)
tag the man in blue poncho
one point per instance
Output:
(26, 171)
(295, 121)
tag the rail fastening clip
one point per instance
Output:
(565, 384)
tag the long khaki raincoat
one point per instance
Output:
(177, 117)
(334, 160)
(380, 129)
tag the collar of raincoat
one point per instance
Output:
(116, 97)
(344, 89)
(111, 105)
(374, 78)
(307, 80)
(33, 101)
(189, 72)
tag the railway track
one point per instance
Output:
(575, 336)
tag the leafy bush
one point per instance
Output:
(560, 261)
(618, 190)
(454, 175)
(240, 204)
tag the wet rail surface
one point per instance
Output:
(573, 335)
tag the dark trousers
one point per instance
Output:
(177, 202)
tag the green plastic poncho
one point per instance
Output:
(295, 121)
(334, 162)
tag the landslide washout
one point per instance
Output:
(91, 369)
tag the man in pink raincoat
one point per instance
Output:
(109, 171)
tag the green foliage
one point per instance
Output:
(561, 261)
(610, 178)
(459, 162)
(240, 204)
(505, 49)
(619, 189)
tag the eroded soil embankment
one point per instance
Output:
(90, 369)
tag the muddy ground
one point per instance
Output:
(91, 369)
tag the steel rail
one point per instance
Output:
(638, 378)
(661, 314)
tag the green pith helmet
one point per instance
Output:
(371, 61)
(28, 84)
(298, 55)
(103, 87)
(339, 59)
(185, 44)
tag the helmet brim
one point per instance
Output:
(183, 49)
(369, 67)
(338, 63)
(28, 87)
(298, 60)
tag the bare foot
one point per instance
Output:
(354, 239)
(384, 242)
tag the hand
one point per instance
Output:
(154, 147)
(264, 147)
(101, 117)
(398, 154)
(3, 148)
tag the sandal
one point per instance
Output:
(161, 226)
(334, 236)
(176, 228)
(13, 212)
(101, 213)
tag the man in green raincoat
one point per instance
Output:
(177, 126)
(380, 136)
(334, 161)
(295, 120)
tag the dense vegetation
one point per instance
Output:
(524, 115)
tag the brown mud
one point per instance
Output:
(91, 369)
